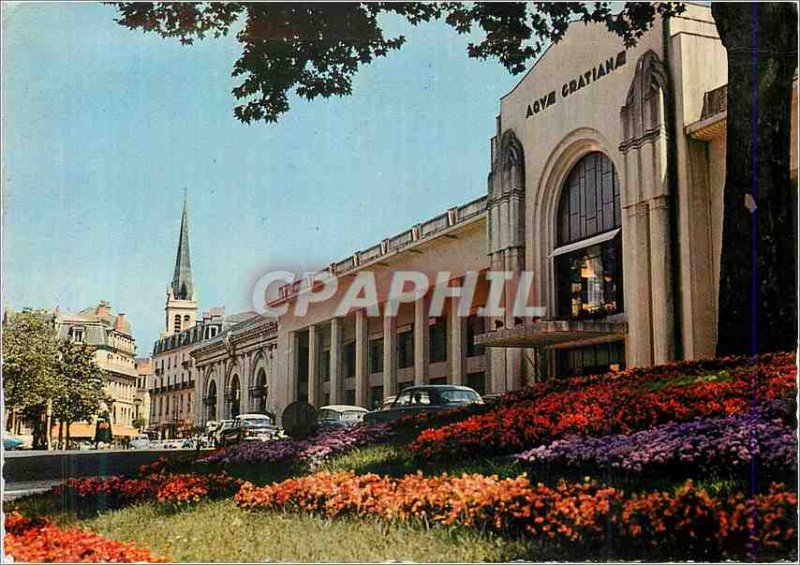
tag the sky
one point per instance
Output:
(104, 128)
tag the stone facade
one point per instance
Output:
(236, 370)
(114, 352)
(173, 393)
(144, 382)
(606, 180)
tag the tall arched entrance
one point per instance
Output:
(211, 402)
(260, 392)
(234, 397)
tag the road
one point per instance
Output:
(26, 472)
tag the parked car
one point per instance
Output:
(140, 442)
(425, 398)
(11, 442)
(339, 416)
(249, 427)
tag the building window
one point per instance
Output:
(405, 349)
(475, 326)
(439, 381)
(590, 281)
(177, 324)
(437, 335)
(350, 397)
(349, 359)
(588, 261)
(376, 355)
(590, 200)
(593, 359)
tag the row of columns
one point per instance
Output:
(456, 354)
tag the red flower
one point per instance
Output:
(38, 541)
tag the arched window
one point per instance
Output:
(177, 325)
(588, 259)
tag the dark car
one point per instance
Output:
(249, 427)
(425, 398)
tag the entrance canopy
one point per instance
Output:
(554, 333)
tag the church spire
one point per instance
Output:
(182, 287)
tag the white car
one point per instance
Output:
(140, 442)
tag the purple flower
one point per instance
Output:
(312, 450)
(706, 444)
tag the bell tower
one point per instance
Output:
(181, 308)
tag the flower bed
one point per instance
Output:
(311, 451)
(726, 444)
(38, 541)
(685, 523)
(614, 404)
(172, 490)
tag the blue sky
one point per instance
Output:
(103, 128)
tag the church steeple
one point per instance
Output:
(181, 308)
(182, 287)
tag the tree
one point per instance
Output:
(30, 374)
(758, 294)
(316, 49)
(82, 391)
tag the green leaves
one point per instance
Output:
(82, 383)
(37, 368)
(315, 49)
(30, 350)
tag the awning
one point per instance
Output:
(76, 430)
(594, 240)
(554, 334)
(124, 431)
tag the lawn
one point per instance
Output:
(220, 531)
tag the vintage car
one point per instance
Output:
(425, 398)
(11, 442)
(339, 415)
(249, 427)
(140, 442)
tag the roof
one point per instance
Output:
(182, 286)
(98, 322)
(343, 408)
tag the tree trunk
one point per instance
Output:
(48, 430)
(61, 434)
(69, 437)
(39, 441)
(757, 292)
